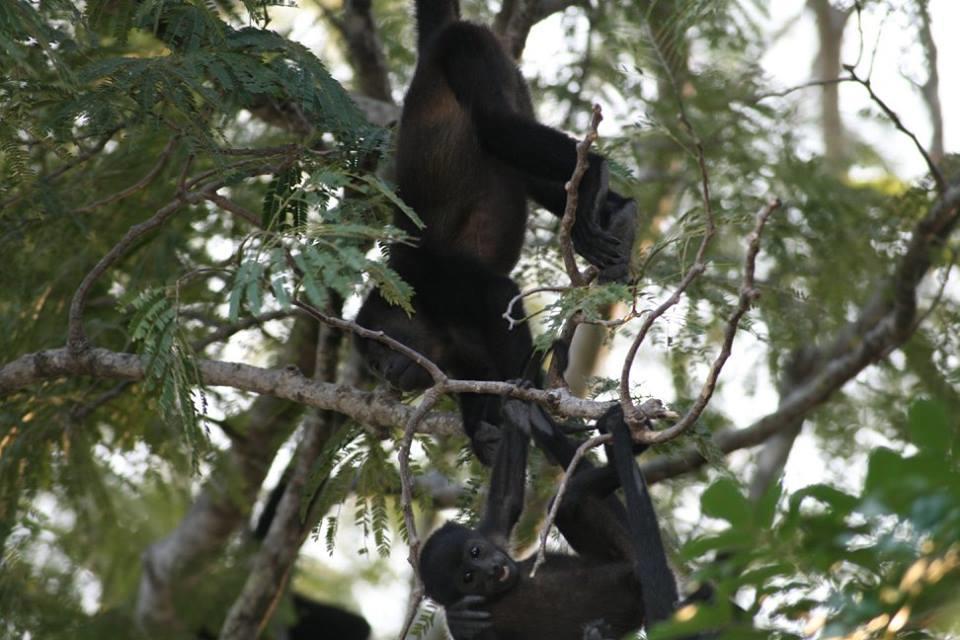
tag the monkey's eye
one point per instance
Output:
(468, 576)
(474, 552)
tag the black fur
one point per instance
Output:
(469, 154)
(598, 593)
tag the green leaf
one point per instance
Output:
(723, 500)
(381, 187)
(834, 498)
(930, 427)
(766, 508)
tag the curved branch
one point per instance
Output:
(885, 323)
(748, 293)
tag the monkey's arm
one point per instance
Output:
(488, 87)
(507, 479)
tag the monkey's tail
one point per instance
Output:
(432, 16)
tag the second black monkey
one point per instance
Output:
(619, 579)
(469, 154)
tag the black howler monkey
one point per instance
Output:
(621, 564)
(469, 154)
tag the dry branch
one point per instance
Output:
(885, 323)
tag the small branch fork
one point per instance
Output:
(748, 294)
(630, 412)
(188, 192)
(938, 179)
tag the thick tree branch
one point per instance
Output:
(358, 28)
(292, 521)
(288, 384)
(224, 502)
(516, 17)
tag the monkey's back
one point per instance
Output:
(473, 204)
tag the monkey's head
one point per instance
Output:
(458, 561)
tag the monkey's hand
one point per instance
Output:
(590, 237)
(599, 248)
(485, 441)
(619, 217)
(466, 620)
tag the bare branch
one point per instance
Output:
(139, 185)
(223, 503)
(76, 337)
(358, 28)
(517, 17)
(229, 205)
(572, 186)
(799, 87)
(508, 314)
(228, 330)
(430, 399)
(895, 119)
(930, 90)
(288, 383)
(84, 156)
(271, 569)
(439, 377)
(630, 411)
(748, 293)
(884, 323)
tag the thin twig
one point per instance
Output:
(430, 399)
(81, 412)
(799, 87)
(748, 293)
(80, 159)
(508, 314)
(631, 414)
(895, 119)
(557, 499)
(228, 330)
(140, 184)
(229, 205)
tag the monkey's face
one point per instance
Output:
(485, 569)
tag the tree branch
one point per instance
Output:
(225, 500)
(577, 279)
(895, 119)
(884, 323)
(76, 337)
(139, 185)
(630, 412)
(748, 293)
